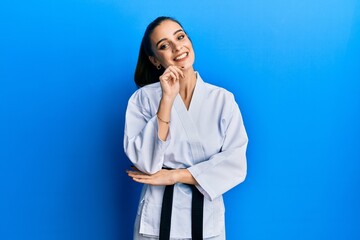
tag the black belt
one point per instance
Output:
(197, 210)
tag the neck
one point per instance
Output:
(187, 85)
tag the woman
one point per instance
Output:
(185, 137)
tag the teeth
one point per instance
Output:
(181, 56)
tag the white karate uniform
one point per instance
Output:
(209, 139)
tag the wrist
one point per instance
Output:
(177, 175)
(164, 109)
(183, 175)
(167, 99)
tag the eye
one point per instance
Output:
(164, 46)
(181, 36)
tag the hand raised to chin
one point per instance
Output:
(169, 81)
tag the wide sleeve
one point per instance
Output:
(228, 168)
(141, 142)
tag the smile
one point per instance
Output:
(181, 56)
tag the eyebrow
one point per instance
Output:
(163, 39)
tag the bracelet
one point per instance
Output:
(162, 120)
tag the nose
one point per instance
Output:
(176, 46)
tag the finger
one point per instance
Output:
(135, 168)
(142, 178)
(167, 76)
(145, 181)
(178, 70)
(130, 171)
(138, 174)
(137, 180)
(173, 76)
(175, 71)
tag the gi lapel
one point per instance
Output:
(187, 119)
(198, 98)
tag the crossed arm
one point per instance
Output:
(163, 177)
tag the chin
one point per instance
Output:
(187, 65)
(187, 68)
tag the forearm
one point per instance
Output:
(184, 176)
(163, 177)
(142, 147)
(163, 117)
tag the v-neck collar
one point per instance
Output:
(188, 119)
(197, 99)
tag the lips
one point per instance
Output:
(181, 56)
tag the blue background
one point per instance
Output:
(66, 73)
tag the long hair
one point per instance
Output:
(145, 72)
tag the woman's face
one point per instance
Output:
(171, 46)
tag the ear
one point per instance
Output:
(154, 61)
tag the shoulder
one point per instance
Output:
(219, 98)
(220, 93)
(145, 95)
(213, 89)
